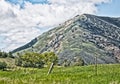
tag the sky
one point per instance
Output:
(23, 20)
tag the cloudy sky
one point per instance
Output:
(23, 20)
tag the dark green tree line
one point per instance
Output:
(5, 54)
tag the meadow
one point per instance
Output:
(106, 74)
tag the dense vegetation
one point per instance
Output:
(28, 59)
(3, 65)
(106, 74)
(36, 60)
(4, 54)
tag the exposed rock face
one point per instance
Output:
(84, 36)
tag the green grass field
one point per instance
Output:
(107, 74)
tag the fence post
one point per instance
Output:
(51, 68)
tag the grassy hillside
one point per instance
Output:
(107, 74)
(10, 61)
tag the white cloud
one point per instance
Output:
(19, 25)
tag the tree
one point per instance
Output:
(10, 55)
(4, 54)
(50, 57)
(36, 60)
(18, 61)
(31, 59)
(0, 53)
(3, 65)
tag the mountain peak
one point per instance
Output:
(84, 36)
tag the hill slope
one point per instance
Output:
(84, 37)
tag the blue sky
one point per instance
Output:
(21, 2)
(19, 17)
(32, 1)
(110, 9)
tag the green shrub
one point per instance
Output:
(18, 61)
(78, 61)
(66, 63)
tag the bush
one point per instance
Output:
(66, 63)
(78, 61)
(18, 61)
(3, 65)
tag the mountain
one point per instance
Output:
(85, 36)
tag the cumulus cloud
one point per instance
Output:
(18, 26)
